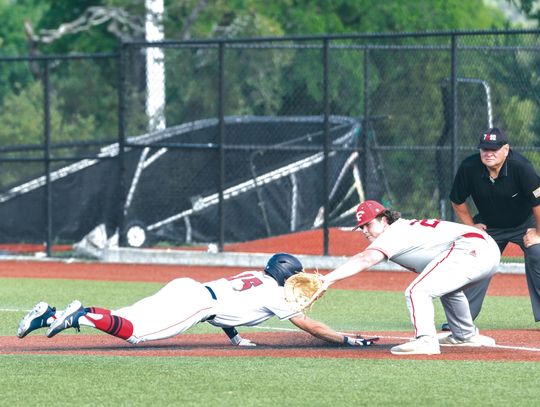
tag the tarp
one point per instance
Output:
(273, 177)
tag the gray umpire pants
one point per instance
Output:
(503, 236)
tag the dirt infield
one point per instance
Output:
(520, 345)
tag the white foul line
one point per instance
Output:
(405, 338)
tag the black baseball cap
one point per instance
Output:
(492, 139)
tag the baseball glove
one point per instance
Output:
(300, 289)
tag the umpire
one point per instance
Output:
(506, 192)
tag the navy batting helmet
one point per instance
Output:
(281, 266)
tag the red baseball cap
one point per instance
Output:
(367, 211)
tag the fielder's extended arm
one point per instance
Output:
(324, 332)
(359, 262)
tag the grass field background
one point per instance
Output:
(243, 381)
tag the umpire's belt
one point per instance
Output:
(212, 293)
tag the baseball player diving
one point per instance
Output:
(246, 299)
(447, 256)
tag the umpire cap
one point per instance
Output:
(492, 139)
(367, 211)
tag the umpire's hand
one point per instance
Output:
(531, 238)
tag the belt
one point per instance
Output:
(473, 234)
(212, 293)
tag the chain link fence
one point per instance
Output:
(226, 141)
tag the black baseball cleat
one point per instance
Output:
(68, 319)
(445, 327)
(36, 318)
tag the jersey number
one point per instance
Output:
(427, 222)
(248, 279)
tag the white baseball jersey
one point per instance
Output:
(414, 243)
(249, 299)
(449, 257)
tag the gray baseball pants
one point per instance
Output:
(502, 237)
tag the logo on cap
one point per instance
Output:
(492, 139)
(361, 212)
(359, 215)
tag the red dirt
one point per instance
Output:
(31, 248)
(269, 344)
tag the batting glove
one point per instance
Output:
(359, 341)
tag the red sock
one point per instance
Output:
(113, 325)
(97, 310)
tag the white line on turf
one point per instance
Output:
(405, 338)
(516, 348)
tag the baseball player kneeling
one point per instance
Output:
(246, 299)
(447, 256)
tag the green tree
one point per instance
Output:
(529, 7)
(14, 42)
(404, 85)
(28, 128)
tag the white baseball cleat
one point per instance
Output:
(474, 341)
(36, 318)
(68, 319)
(424, 345)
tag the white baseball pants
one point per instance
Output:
(175, 308)
(468, 261)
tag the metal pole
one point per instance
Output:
(47, 158)
(155, 66)
(365, 121)
(326, 175)
(221, 130)
(122, 66)
(454, 90)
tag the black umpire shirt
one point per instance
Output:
(505, 202)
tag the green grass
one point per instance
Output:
(90, 381)
(141, 381)
(510, 259)
(28, 380)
